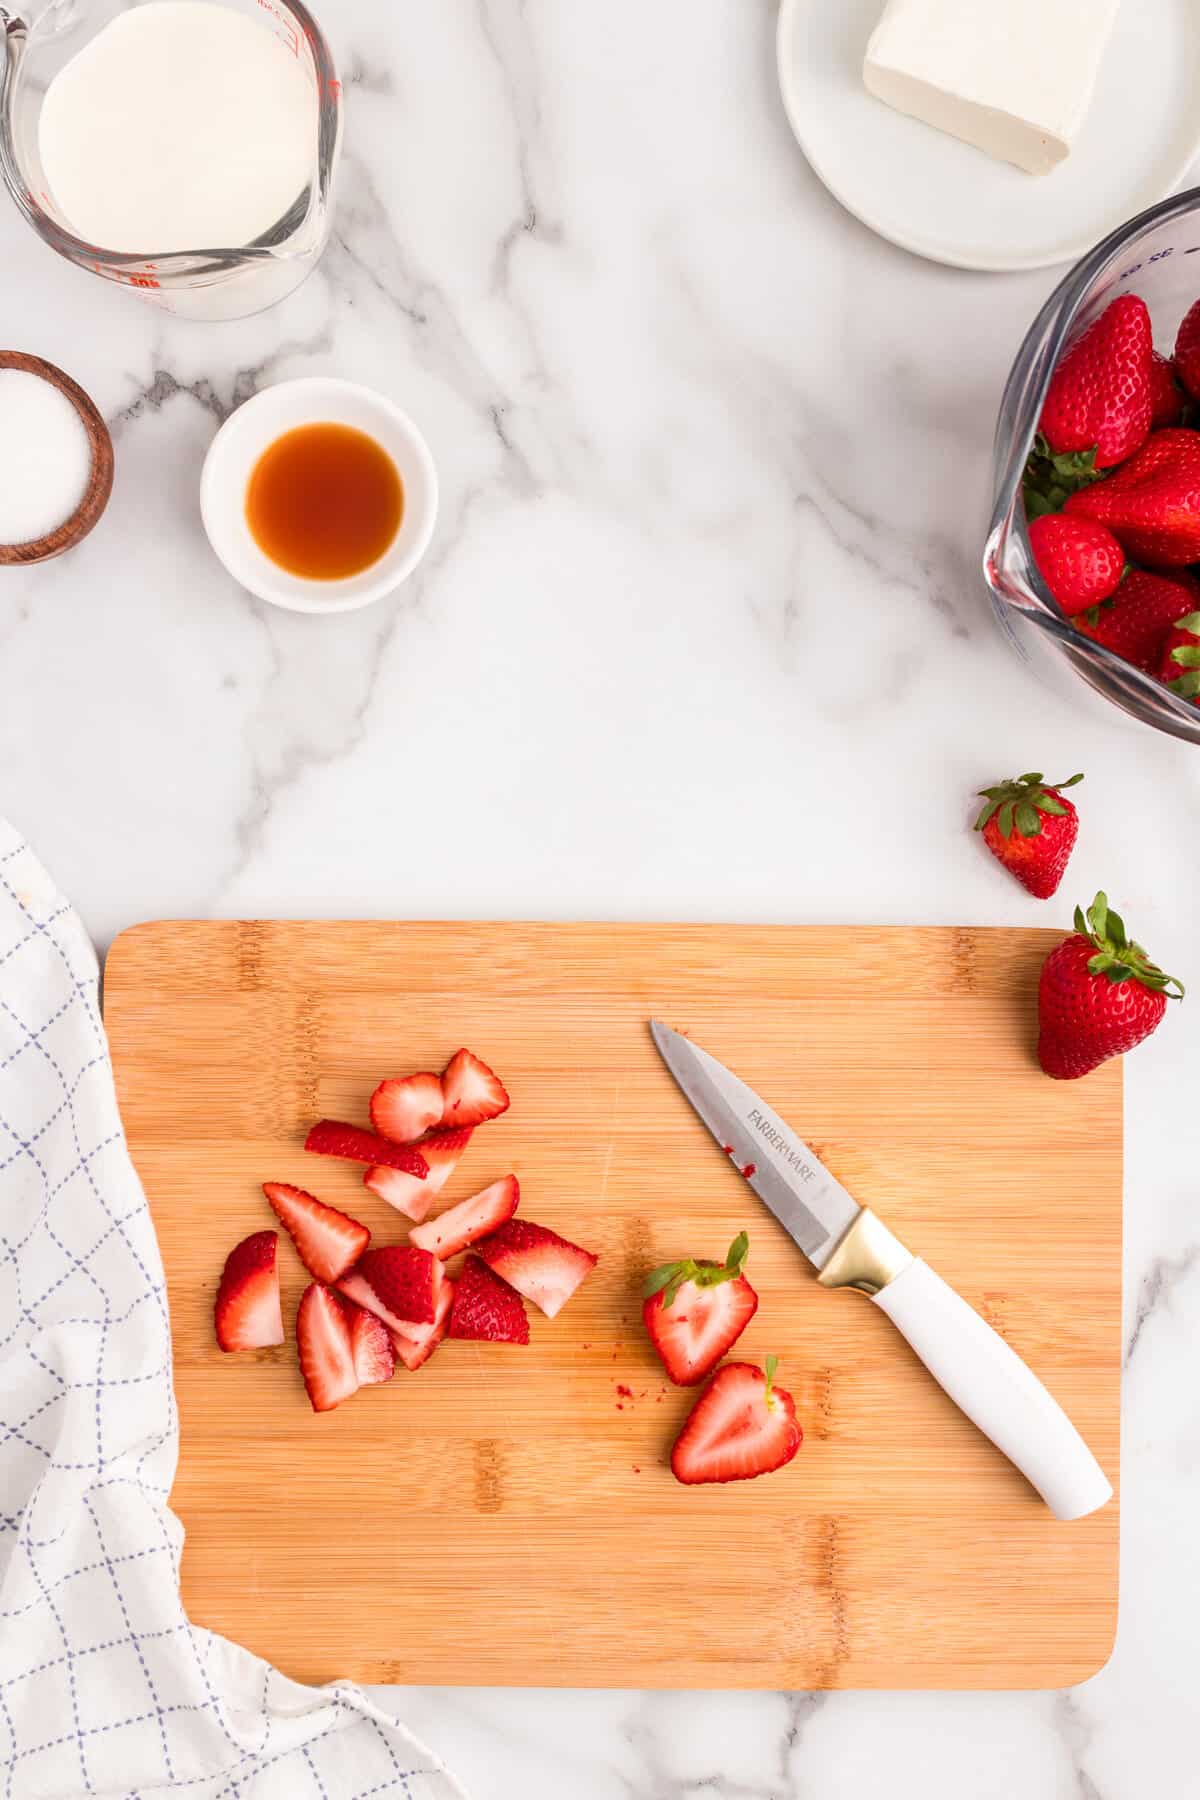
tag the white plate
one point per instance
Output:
(942, 199)
(247, 433)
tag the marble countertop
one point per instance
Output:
(714, 467)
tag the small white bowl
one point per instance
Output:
(235, 450)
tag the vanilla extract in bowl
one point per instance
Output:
(324, 501)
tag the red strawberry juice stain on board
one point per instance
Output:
(626, 1393)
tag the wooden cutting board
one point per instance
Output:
(508, 1515)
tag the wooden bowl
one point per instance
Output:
(99, 487)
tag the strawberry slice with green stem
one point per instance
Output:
(742, 1426)
(694, 1311)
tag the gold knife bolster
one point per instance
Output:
(867, 1256)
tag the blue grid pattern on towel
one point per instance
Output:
(106, 1688)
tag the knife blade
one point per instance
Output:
(851, 1247)
(813, 1208)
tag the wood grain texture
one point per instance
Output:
(507, 1516)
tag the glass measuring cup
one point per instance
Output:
(209, 282)
(1151, 256)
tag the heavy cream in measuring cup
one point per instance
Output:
(182, 125)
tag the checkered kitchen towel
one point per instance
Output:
(105, 1687)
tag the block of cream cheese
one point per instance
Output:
(1013, 77)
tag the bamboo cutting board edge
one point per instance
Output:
(271, 1022)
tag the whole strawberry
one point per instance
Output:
(1098, 996)
(1080, 562)
(1152, 503)
(1180, 667)
(1187, 351)
(1167, 398)
(1099, 399)
(1031, 829)
(1135, 621)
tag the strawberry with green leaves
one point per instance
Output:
(1099, 995)
(1135, 622)
(1180, 667)
(1080, 561)
(1029, 827)
(742, 1426)
(1098, 403)
(695, 1311)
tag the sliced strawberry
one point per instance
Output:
(694, 1312)
(470, 1091)
(485, 1308)
(405, 1279)
(410, 1195)
(542, 1266)
(357, 1288)
(461, 1225)
(741, 1426)
(417, 1343)
(327, 1241)
(329, 1137)
(324, 1348)
(247, 1313)
(372, 1348)
(406, 1108)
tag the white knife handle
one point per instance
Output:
(995, 1389)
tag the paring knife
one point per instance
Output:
(850, 1247)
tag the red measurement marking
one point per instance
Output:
(749, 1170)
(144, 281)
(333, 88)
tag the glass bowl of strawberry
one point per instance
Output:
(1093, 555)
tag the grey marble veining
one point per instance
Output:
(700, 636)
